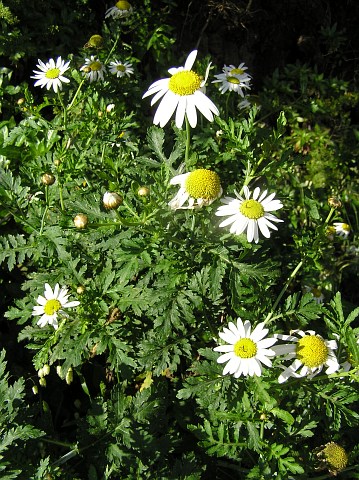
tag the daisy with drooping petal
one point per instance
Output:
(93, 69)
(317, 293)
(121, 69)
(51, 305)
(246, 350)
(200, 187)
(342, 229)
(233, 79)
(181, 93)
(122, 9)
(250, 213)
(51, 74)
(310, 352)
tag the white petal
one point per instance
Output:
(165, 109)
(190, 60)
(191, 114)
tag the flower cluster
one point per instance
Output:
(51, 73)
(246, 350)
(233, 79)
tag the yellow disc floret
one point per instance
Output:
(52, 73)
(312, 351)
(184, 83)
(335, 456)
(245, 348)
(204, 184)
(52, 306)
(123, 5)
(95, 66)
(121, 68)
(236, 71)
(251, 209)
(233, 80)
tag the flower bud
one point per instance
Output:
(21, 101)
(81, 220)
(42, 382)
(96, 41)
(80, 289)
(334, 202)
(334, 457)
(69, 376)
(35, 390)
(143, 191)
(40, 373)
(111, 200)
(58, 371)
(48, 179)
(46, 369)
(57, 162)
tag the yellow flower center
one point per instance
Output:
(345, 227)
(123, 5)
(184, 83)
(52, 73)
(251, 209)
(236, 71)
(121, 68)
(331, 230)
(233, 80)
(52, 306)
(204, 184)
(316, 292)
(312, 351)
(336, 456)
(95, 66)
(245, 348)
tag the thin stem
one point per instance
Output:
(188, 140)
(330, 214)
(112, 49)
(63, 108)
(282, 292)
(75, 96)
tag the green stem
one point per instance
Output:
(76, 93)
(282, 292)
(188, 140)
(112, 49)
(61, 198)
(63, 108)
(330, 214)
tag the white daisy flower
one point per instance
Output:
(310, 352)
(93, 69)
(342, 229)
(250, 213)
(122, 9)
(51, 74)
(200, 187)
(121, 69)
(317, 293)
(233, 79)
(182, 93)
(51, 305)
(246, 350)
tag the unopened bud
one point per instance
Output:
(57, 162)
(21, 101)
(96, 41)
(58, 371)
(35, 390)
(80, 289)
(143, 191)
(42, 382)
(69, 376)
(111, 200)
(46, 369)
(48, 179)
(40, 373)
(334, 202)
(81, 220)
